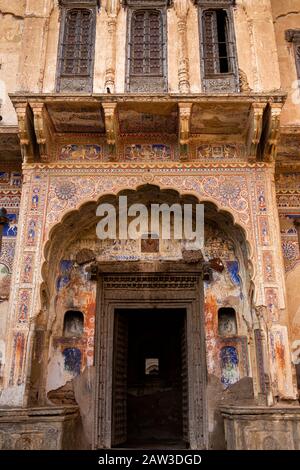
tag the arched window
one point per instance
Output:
(76, 49)
(73, 323)
(146, 70)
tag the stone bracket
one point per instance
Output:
(24, 134)
(255, 129)
(185, 110)
(39, 127)
(273, 132)
(110, 125)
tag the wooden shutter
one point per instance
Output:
(147, 43)
(119, 403)
(210, 42)
(147, 51)
(76, 50)
(184, 378)
(77, 43)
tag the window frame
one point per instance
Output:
(293, 36)
(219, 82)
(154, 83)
(75, 82)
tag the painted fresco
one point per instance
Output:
(229, 366)
(75, 152)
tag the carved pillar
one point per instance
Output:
(277, 321)
(25, 296)
(112, 9)
(182, 8)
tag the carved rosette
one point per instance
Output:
(182, 8)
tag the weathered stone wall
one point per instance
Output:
(286, 15)
(11, 30)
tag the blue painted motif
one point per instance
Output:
(66, 266)
(65, 270)
(4, 177)
(72, 363)
(11, 229)
(62, 282)
(233, 269)
(229, 366)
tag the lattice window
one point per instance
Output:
(218, 48)
(147, 44)
(76, 50)
(147, 69)
(77, 43)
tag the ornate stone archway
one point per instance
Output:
(65, 194)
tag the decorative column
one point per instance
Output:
(277, 320)
(182, 8)
(25, 295)
(112, 9)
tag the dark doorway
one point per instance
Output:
(150, 378)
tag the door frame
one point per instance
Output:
(143, 285)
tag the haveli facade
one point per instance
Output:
(167, 101)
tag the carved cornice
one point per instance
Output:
(292, 35)
(61, 98)
(116, 167)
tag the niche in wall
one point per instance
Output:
(73, 323)
(227, 325)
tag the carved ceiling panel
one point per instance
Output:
(151, 119)
(76, 118)
(219, 118)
